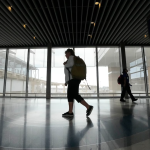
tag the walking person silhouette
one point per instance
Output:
(126, 87)
(73, 86)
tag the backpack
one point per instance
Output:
(78, 70)
(120, 79)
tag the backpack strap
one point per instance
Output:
(88, 85)
(69, 78)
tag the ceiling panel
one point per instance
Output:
(68, 22)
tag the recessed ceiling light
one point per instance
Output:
(93, 23)
(98, 3)
(34, 37)
(24, 25)
(145, 35)
(9, 8)
(90, 35)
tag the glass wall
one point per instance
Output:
(16, 72)
(135, 67)
(58, 89)
(108, 65)
(109, 70)
(2, 68)
(88, 55)
(37, 72)
(147, 59)
(58, 77)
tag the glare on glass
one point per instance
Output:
(16, 71)
(37, 71)
(2, 68)
(109, 70)
(135, 66)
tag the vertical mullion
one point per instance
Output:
(79, 87)
(5, 74)
(97, 72)
(76, 23)
(27, 72)
(145, 70)
(120, 62)
(48, 81)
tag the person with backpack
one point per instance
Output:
(73, 81)
(126, 86)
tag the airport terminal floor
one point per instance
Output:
(37, 123)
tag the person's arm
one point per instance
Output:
(70, 62)
(65, 71)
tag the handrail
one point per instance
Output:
(66, 93)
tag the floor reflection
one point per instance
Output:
(74, 137)
(39, 124)
(1, 120)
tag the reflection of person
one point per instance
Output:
(126, 87)
(127, 121)
(73, 137)
(73, 85)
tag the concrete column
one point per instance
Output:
(123, 55)
(123, 61)
(145, 71)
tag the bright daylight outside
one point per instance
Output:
(16, 72)
(109, 70)
(108, 67)
(2, 68)
(136, 71)
(58, 76)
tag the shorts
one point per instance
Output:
(73, 90)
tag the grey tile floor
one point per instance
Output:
(38, 124)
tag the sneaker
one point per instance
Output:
(134, 100)
(89, 111)
(122, 100)
(67, 114)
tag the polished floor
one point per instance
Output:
(28, 124)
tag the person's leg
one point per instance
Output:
(70, 107)
(77, 96)
(89, 107)
(129, 92)
(80, 99)
(123, 93)
(84, 103)
(70, 99)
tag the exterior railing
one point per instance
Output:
(53, 95)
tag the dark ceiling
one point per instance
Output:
(68, 22)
